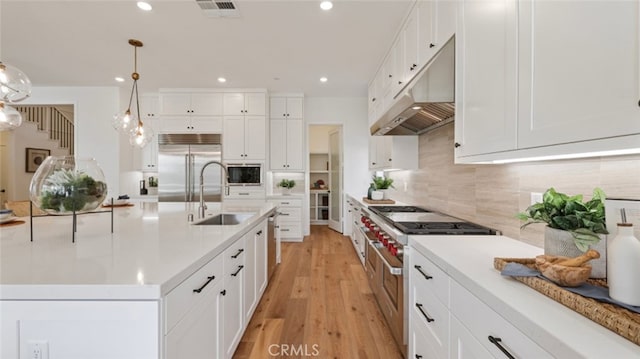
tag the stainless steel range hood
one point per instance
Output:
(426, 103)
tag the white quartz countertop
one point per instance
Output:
(563, 332)
(151, 250)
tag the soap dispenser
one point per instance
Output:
(623, 265)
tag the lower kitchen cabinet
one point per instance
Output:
(463, 344)
(289, 219)
(231, 300)
(255, 277)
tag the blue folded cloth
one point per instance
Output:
(600, 294)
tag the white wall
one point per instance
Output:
(351, 113)
(94, 135)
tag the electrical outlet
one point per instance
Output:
(536, 197)
(38, 349)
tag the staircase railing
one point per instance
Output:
(53, 121)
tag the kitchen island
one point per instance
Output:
(120, 295)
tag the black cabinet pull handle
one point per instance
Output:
(373, 99)
(418, 356)
(209, 279)
(237, 254)
(419, 269)
(390, 76)
(224, 292)
(399, 82)
(457, 144)
(429, 320)
(259, 233)
(496, 342)
(238, 271)
(431, 45)
(638, 103)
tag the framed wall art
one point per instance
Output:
(35, 157)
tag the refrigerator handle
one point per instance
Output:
(187, 175)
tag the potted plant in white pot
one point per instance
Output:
(382, 184)
(287, 185)
(573, 226)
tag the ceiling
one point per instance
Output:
(284, 46)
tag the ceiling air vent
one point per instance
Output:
(218, 8)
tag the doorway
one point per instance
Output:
(326, 176)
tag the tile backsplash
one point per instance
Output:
(491, 195)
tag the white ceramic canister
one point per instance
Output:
(623, 266)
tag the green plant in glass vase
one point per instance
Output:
(584, 220)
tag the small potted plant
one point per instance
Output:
(153, 186)
(382, 184)
(573, 226)
(287, 185)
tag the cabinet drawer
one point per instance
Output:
(423, 273)
(246, 192)
(431, 315)
(287, 202)
(234, 258)
(290, 230)
(421, 343)
(484, 323)
(288, 214)
(183, 297)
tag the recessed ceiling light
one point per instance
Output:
(326, 5)
(119, 79)
(142, 5)
(222, 80)
(324, 79)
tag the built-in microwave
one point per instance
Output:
(245, 174)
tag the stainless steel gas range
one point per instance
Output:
(387, 230)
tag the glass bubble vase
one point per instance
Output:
(66, 185)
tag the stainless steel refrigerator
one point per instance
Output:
(180, 160)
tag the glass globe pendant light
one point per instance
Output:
(129, 122)
(10, 118)
(15, 86)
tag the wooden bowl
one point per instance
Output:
(562, 275)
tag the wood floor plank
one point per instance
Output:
(318, 302)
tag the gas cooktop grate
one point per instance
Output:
(461, 228)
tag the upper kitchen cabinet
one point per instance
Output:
(286, 129)
(533, 83)
(191, 104)
(244, 138)
(486, 77)
(393, 153)
(250, 103)
(436, 25)
(149, 106)
(579, 74)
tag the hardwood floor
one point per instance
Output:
(318, 304)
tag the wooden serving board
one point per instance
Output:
(381, 201)
(118, 205)
(12, 223)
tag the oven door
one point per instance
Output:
(244, 174)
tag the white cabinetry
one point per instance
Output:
(244, 138)
(249, 103)
(393, 152)
(255, 274)
(231, 300)
(286, 128)
(530, 84)
(290, 218)
(486, 68)
(149, 153)
(184, 112)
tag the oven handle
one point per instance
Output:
(392, 270)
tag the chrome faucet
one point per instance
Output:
(202, 207)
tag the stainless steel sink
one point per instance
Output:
(225, 219)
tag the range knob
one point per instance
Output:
(390, 244)
(385, 240)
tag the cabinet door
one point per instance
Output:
(261, 260)
(233, 137)
(196, 335)
(207, 104)
(278, 107)
(232, 314)
(233, 104)
(372, 100)
(373, 152)
(463, 344)
(445, 21)
(150, 151)
(149, 106)
(249, 270)
(175, 124)
(255, 138)
(211, 124)
(426, 41)
(295, 140)
(486, 77)
(588, 90)
(398, 80)
(175, 104)
(410, 35)
(278, 144)
(295, 107)
(255, 104)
